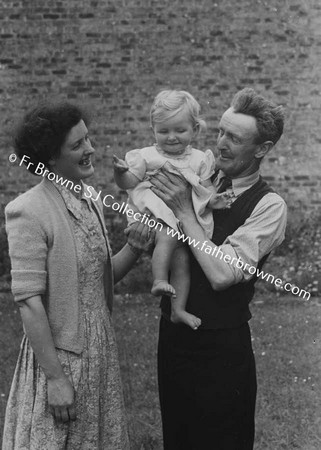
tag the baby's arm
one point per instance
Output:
(123, 177)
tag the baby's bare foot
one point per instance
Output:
(185, 317)
(162, 287)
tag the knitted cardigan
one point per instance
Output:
(43, 257)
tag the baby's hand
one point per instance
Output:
(120, 165)
(222, 200)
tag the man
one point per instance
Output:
(207, 378)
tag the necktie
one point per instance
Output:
(226, 183)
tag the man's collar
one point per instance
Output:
(239, 185)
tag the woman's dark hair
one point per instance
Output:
(43, 130)
(269, 116)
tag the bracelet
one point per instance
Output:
(134, 250)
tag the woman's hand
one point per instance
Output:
(174, 190)
(61, 399)
(60, 392)
(140, 237)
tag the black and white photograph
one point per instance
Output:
(160, 225)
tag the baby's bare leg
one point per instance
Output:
(180, 278)
(162, 255)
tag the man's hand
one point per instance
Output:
(120, 165)
(174, 190)
(61, 399)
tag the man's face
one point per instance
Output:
(236, 152)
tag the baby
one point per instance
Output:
(175, 121)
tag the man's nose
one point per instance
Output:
(221, 141)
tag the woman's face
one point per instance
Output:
(74, 162)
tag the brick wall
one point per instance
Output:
(114, 56)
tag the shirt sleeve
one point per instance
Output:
(262, 232)
(27, 250)
(136, 163)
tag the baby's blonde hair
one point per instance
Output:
(168, 103)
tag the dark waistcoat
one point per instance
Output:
(228, 308)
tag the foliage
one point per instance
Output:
(300, 254)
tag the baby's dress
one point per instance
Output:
(95, 373)
(193, 164)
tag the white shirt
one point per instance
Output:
(262, 232)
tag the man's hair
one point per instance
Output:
(168, 103)
(269, 116)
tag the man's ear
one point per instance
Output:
(263, 149)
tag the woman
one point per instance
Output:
(66, 392)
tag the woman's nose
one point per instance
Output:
(89, 147)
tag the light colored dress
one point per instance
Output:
(193, 164)
(95, 374)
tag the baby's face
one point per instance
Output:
(175, 134)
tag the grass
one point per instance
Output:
(286, 338)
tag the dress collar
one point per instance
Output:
(73, 204)
(187, 151)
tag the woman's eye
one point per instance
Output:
(79, 144)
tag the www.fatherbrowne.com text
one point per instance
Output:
(124, 208)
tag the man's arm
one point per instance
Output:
(261, 232)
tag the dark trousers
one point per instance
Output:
(207, 388)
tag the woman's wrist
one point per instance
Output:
(134, 250)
